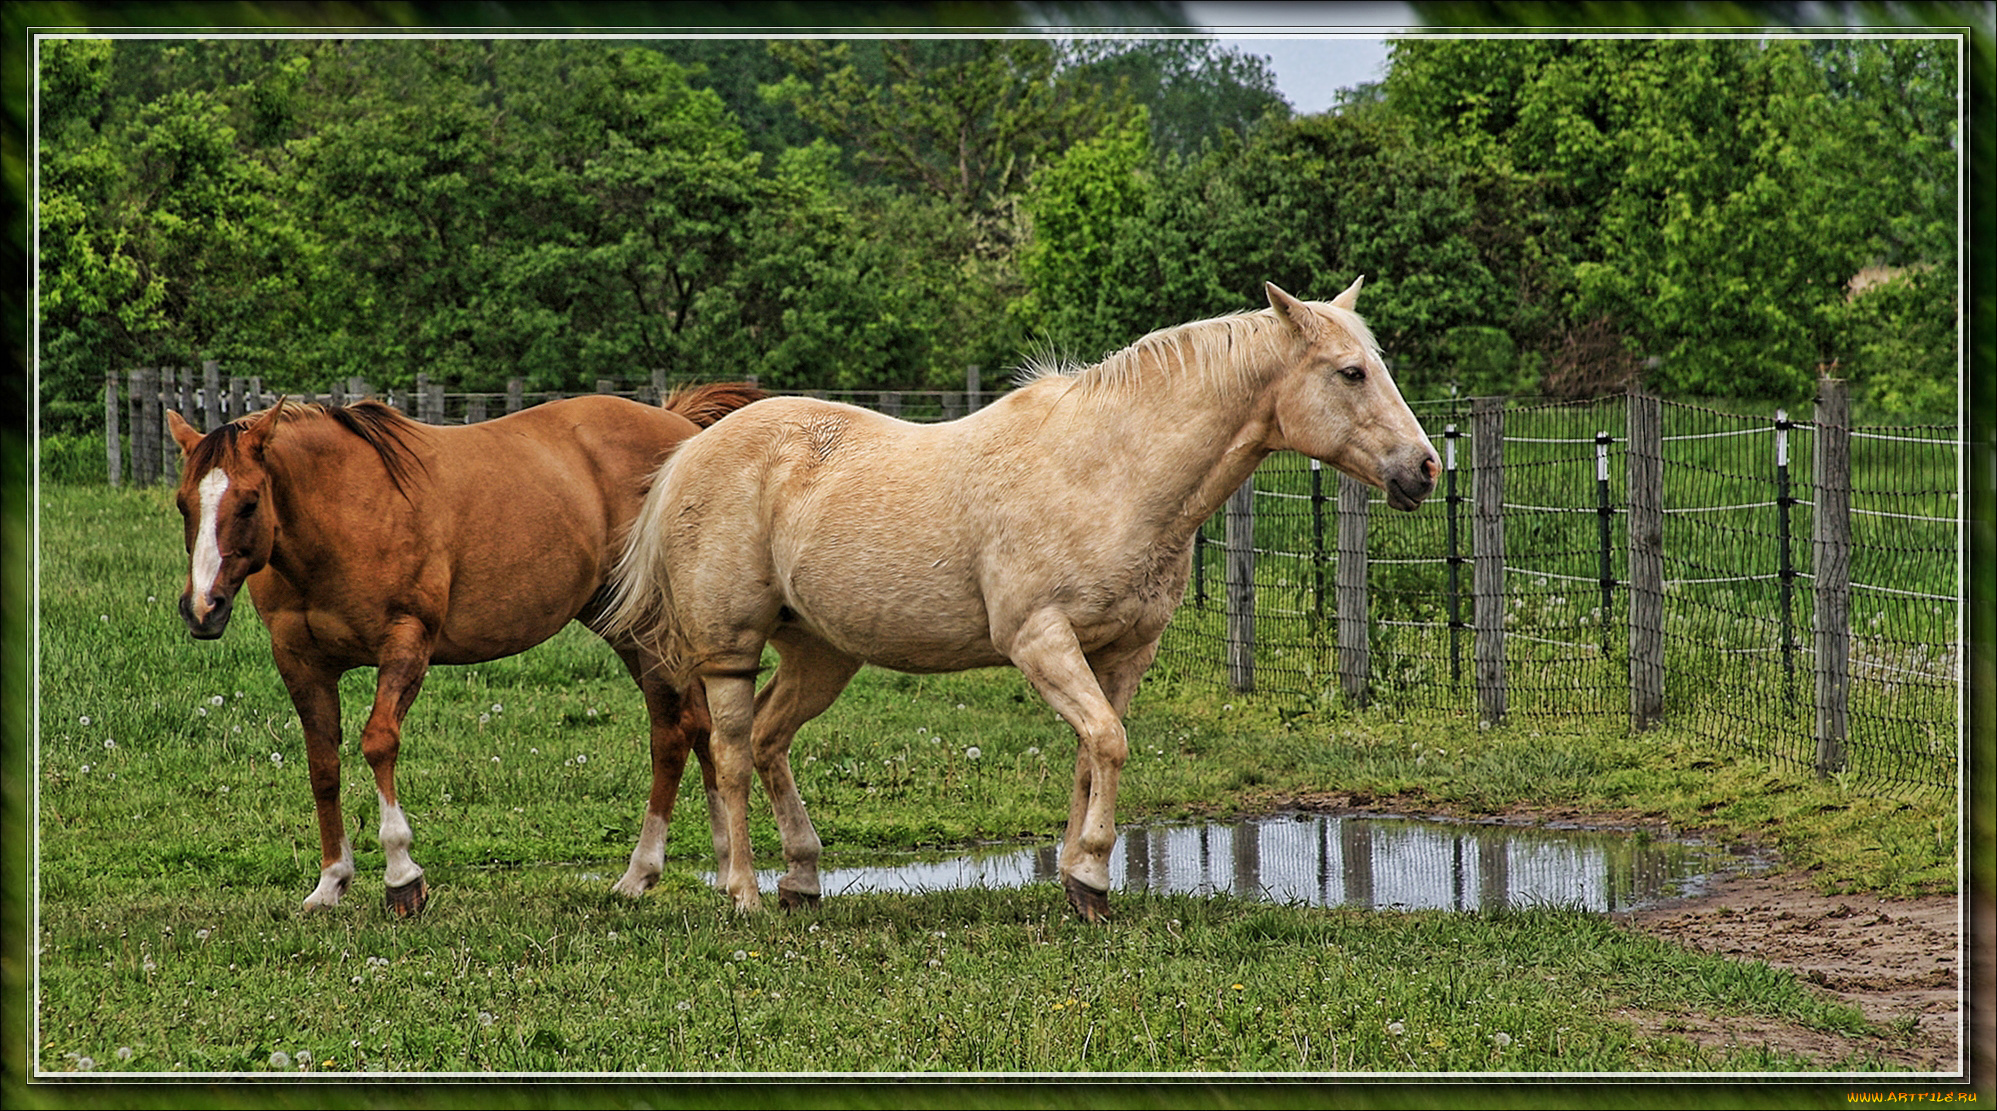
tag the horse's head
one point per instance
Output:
(225, 509)
(1337, 402)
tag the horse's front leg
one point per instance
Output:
(405, 659)
(315, 694)
(1046, 651)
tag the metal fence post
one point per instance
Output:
(1355, 656)
(1832, 566)
(1452, 502)
(1644, 459)
(1785, 502)
(1604, 516)
(1487, 514)
(1241, 587)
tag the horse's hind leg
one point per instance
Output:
(807, 682)
(316, 696)
(679, 724)
(731, 701)
(404, 662)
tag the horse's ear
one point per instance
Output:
(258, 435)
(183, 432)
(1289, 308)
(1351, 295)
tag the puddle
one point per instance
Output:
(1321, 860)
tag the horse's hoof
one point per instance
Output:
(633, 888)
(797, 900)
(1091, 904)
(406, 901)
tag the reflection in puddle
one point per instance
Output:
(1381, 863)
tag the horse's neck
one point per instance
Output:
(1179, 442)
(322, 492)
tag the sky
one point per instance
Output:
(1322, 48)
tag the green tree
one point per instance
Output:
(968, 120)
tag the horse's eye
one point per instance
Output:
(1353, 373)
(247, 510)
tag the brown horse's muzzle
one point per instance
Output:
(211, 624)
(1410, 475)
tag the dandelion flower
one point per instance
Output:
(740, 955)
(1503, 1039)
(85, 1064)
(279, 1059)
(497, 708)
(1396, 1029)
(124, 1053)
(972, 753)
(277, 759)
(84, 720)
(217, 700)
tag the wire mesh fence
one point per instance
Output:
(1785, 584)
(1515, 591)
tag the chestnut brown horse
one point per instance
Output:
(1052, 531)
(370, 540)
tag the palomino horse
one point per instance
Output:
(369, 540)
(1052, 531)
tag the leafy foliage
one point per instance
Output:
(1530, 214)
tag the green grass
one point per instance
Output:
(176, 841)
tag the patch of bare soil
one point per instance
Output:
(1895, 960)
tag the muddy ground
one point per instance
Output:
(1899, 961)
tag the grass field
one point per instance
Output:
(175, 843)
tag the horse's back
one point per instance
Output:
(860, 527)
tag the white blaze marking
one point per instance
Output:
(207, 563)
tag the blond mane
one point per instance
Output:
(1228, 350)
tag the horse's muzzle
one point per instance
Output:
(1412, 478)
(210, 625)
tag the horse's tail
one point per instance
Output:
(640, 593)
(703, 405)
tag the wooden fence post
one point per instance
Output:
(605, 386)
(187, 409)
(973, 388)
(890, 403)
(114, 465)
(211, 391)
(147, 428)
(1644, 460)
(1241, 587)
(475, 408)
(1832, 569)
(236, 409)
(1487, 589)
(433, 403)
(515, 394)
(1355, 662)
